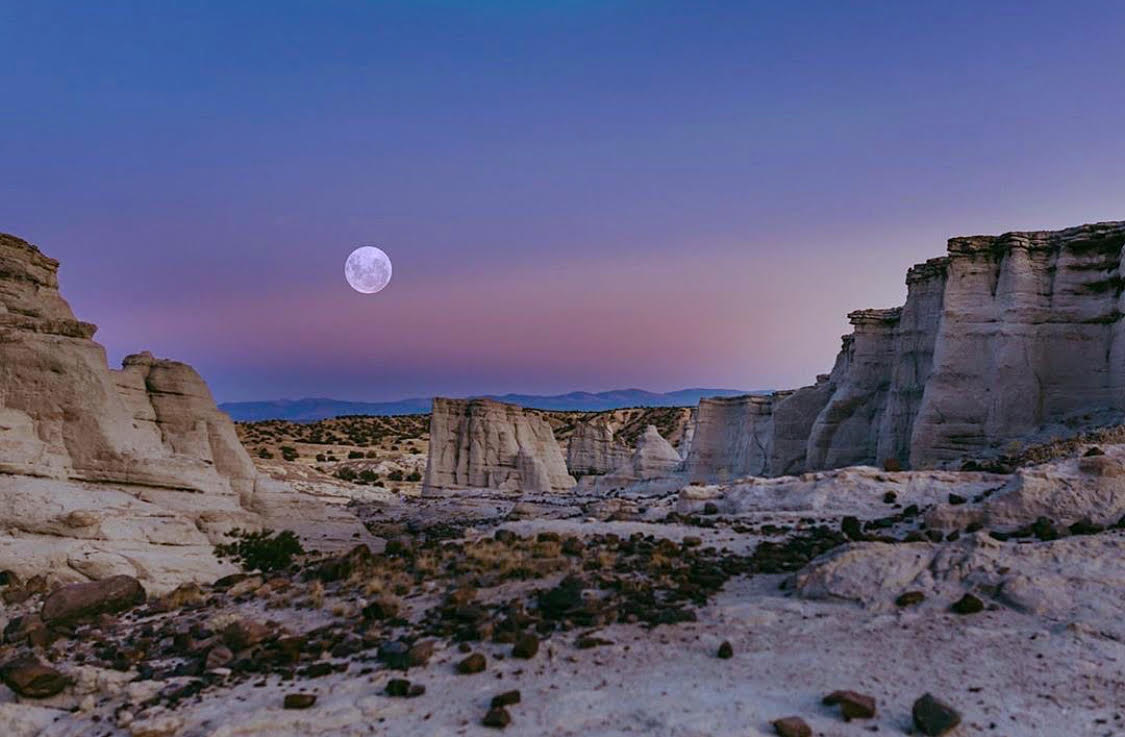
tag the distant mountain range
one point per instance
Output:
(311, 409)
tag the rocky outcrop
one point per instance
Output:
(1006, 338)
(1031, 337)
(732, 438)
(133, 472)
(594, 447)
(1075, 580)
(485, 444)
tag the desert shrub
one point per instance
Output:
(346, 474)
(372, 454)
(395, 475)
(414, 476)
(321, 458)
(367, 475)
(289, 453)
(261, 551)
(352, 455)
(264, 453)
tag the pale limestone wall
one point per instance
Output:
(485, 444)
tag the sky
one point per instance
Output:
(575, 194)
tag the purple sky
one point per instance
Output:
(575, 195)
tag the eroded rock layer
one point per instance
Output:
(485, 444)
(1006, 338)
(106, 472)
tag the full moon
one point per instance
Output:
(368, 270)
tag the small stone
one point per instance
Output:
(245, 633)
(475, 663)
(853, 705)
(792, 727)
(420, 653)
(402, 688)
(526, 647)
(497, 717)
(218, 657)
(505, 699)
(299, 700)
(395, 654)
(968, 604)
(726, 651)
(28, 677)
(910, 598)
(933, 717)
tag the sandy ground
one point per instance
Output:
(1007, 672)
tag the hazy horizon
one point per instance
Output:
(579, 195)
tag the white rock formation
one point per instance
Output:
(732, 438)
(1088, 488)
(653, 458)
(485, 444)
(1075, 580)
(133, 471)
(1008, 337)
(594, 447)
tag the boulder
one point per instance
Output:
(79, 601)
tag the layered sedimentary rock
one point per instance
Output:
(653, 458)
(1031, 335)
(104, 472)
(732, 438)
(1007, 337)
(594, 447)
(485, 444)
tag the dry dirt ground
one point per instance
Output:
(607, 615)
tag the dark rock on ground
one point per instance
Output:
(403, 688)
(505, 699)
(792, 727)
(28, 677)
(80, 601)
(853, 705)
(497, 717)
(910, 598)
(299, 700)
(726, 651)
(527, 647)
(475, 663)
(968, 604)
(933, 717)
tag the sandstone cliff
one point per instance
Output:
(482, 443)
(594, 448)
(103, 472)
(1007, 338)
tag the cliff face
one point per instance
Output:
(733, 437)
(1031, 336)
(1005, 337)
(594, 448)
(485, 444)
(103, 472)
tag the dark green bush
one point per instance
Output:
(261, 551)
